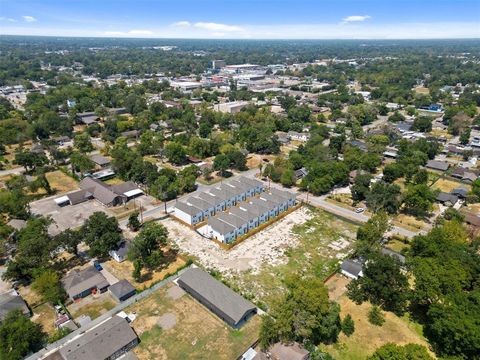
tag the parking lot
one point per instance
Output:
(65, 217)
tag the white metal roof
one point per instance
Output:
(62, 199)
(133, 192)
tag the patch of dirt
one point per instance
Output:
(175, 292)
(167, 321)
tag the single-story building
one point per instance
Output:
(188, 213)
(217, 297)
(447, 199)
(109, 340)
(122, 290)
(11, 300)
(352, 269)
(293, 351)
(119, 254)
(100, 160)
(81, 283)
(437, 165)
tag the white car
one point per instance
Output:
(359, 210)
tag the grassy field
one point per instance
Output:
(314, 253)
(60, 182)
(45, 316)
(368, 337)
(196, 332)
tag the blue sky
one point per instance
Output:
(303, 19)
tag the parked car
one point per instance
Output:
(359, 210)
(97, 266)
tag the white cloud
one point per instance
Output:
(218, 27)
(140, 32)
(355, 18)
(29, 18)
(113, 33)
(182, 24)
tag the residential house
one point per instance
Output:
(299, 136)
(204, 205)
(217, 297)
(241, 226)
(281, 202)
(249, 217)
(447, 199)
(119, 254)
(109, 340)
(257, 185)
(219, 203)
(221, 230)
(273, 208)
(258, 210)
(301, 173)
(11, 300)
(100, 161)
(81, 283)
(351, 268)
(437, 165)
(188, 213)
(289, 196)
(292, 351)
(87, 118)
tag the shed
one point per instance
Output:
(351, 269)
(122, 290)
(218, 298)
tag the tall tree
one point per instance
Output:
(101, 234)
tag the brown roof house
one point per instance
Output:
(81, 283)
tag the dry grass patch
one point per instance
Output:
(92, 306)
(447, 185)
(45, 316)
(409, 222)
(197, 334)
(60, 182)
(124, 270)
(113, 181)
(422, 90)
(367, 337)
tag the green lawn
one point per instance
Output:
(311, 255)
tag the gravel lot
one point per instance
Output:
(268, 245)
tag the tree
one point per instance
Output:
(384, 196)
(101, 234)
(361, 187)
(382, 283)
(396, 117)
(83, 143)
(370, 234)
(465, 136)
(69, 239)
(133, 222)
(19, 336)
(304, 313)
(175, 153)
(29, 160)
(221, 163)
(81, 163)
(146, 247)
(47, 284)
(348, 325)
(422, 124)
(375, 316)
(397, 352)
(418, 200)
(288, 178)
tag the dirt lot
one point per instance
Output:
(305, 240)
(182, 328)
(60, 182)
(65, 217)
(45, 316)
(124, 270)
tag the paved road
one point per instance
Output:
(14, 171)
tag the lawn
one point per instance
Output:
(60, 182)
(367, 337)
(195, 333)
(92, 306)
(422, 90)
(113, 181)
(321, 242)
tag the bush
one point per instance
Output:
(348, 325)
(375, 316)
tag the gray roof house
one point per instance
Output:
(10, 301)
(100, 160)
(109, 340)
(437, 165)
(351, 269)
(81, 283)
(218, 298)
(447, 198)
(122, 290)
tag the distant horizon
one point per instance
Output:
(235, 39)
